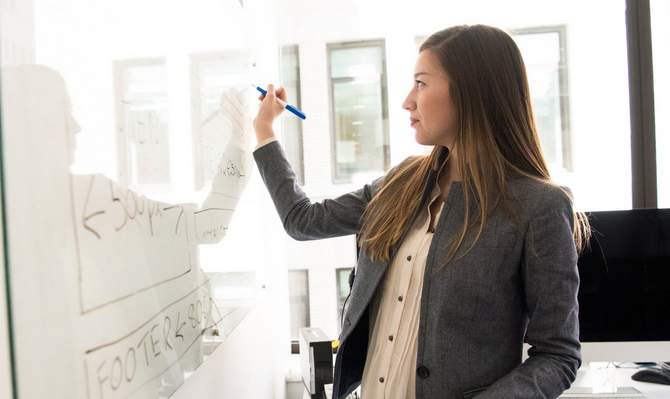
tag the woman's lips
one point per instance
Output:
(412, 121)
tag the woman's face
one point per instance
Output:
(431, 110)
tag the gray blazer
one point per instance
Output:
(518, 283)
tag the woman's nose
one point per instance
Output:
(409, 103)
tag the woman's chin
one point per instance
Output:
(422, 140)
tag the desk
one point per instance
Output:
(589, 375)
(607, 375)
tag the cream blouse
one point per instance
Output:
(390, 367)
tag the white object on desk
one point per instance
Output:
(612, 392)
(607, 375)
(328, 391)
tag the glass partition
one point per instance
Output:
(126, 151)
(126, 133)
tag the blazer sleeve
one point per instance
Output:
(551, 282)
(302, 219)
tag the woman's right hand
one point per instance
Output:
(269, 110)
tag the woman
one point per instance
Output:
(466, 253)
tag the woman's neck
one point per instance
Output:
(453, 167)
(449, 174)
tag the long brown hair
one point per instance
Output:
(497, 139)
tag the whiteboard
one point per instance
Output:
(109, 197)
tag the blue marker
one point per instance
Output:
(290, 108)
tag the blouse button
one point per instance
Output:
(390, 337)
(381, 379)
(409, 257)
(400, 298)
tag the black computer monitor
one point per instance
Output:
(624, 295)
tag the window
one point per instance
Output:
(660, 30)
(292, 127)
(298, 288)
(212, 74)
(142, 139)
(343, 291)
(359, 109)
(232, 289)
(544, 51)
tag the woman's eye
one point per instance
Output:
(419, 83)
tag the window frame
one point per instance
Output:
(295, 154)
(381, 43)
(295, 343)
(563, 86)
(641, 97)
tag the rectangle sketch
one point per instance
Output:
(158, 354)
(126, 243)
